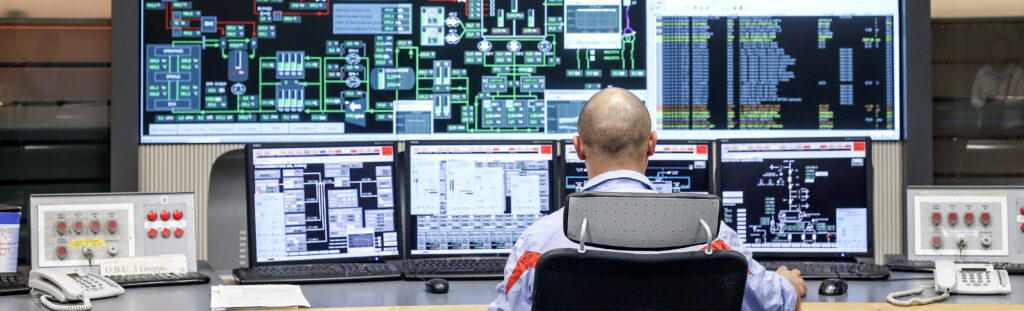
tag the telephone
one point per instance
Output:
(964, 278)
(958, 278)
(63, 285)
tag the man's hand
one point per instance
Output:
(798, 282)
(794, 277)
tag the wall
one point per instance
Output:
(58, 9)
(982, 8)
(187, 168)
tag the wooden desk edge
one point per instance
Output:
(806, 306)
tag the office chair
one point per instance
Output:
(593, 279)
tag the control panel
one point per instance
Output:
(76, 230)
(966, 223)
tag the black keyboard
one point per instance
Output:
(13, 283)
(481, 268)
(159, 279)
(825, 269)
(317, 273)
(898, 262)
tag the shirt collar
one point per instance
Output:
(619, 174)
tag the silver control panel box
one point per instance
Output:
(79, 230)
(965, 223)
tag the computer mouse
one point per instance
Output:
(437, 286)
(832, 287)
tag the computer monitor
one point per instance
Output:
(476, 198)
(798, 198)
(676, 167)
(301, 71)
(327, 202)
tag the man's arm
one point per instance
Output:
(516, 289)
(765, 290)
(793, 276)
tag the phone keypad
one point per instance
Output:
(90, 283)
(975, 278)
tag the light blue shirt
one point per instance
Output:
(619, 181)
(765, 290)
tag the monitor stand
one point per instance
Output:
(227, 241)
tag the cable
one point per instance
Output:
(53, 305)
(916, 301)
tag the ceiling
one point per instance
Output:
(100, 9)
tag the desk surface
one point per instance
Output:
(474, 295)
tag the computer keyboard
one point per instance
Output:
(897, 262)
(159, 279)
(826, 269)
(317, 273)
(13, 283)
(456, 268)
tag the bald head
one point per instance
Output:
(615, 129)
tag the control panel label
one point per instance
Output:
(89, 242)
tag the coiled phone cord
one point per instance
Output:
(916, 301)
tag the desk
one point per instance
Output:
(474, 295)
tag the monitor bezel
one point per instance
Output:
(869, 191)
(251, 204)
(712, 165)
(407, 212)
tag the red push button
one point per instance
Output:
(95, 226)
(112, 226)
(985, 218)
(936, 242)
(151, 216)
(62, 227)
(166, 233)
(62, 252)
(152, 233)
(1022, 227)
(178, 232)
(936, 218)
(78, 227)
(1022, 210)
(165, 215)
(178, 214)
(952, 218)
(969, 218)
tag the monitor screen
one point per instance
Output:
(286, 71)
(675, 167)
(769, 69)
(322, 202)
(476, 198)
(798, 198)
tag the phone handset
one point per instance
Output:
(954, 278)
(64, 285)
(945, 276)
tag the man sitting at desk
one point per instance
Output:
(615, 140)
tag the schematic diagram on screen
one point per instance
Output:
(325, 208)
(790, 216)
(296, 68)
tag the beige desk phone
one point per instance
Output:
(64, 285)
(957, 278)
(965, 278)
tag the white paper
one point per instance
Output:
(256, 296)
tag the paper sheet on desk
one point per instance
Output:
(256, 297)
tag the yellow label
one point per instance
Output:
(93, 242)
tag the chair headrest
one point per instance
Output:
(641, 221)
